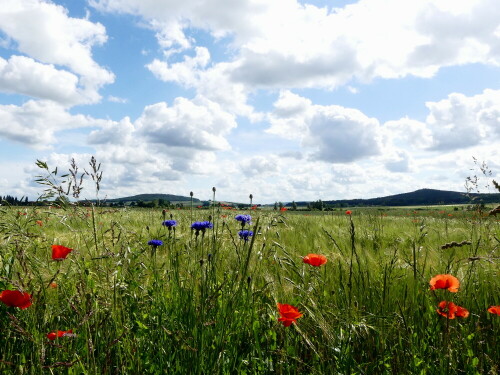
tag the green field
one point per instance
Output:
(207, 303)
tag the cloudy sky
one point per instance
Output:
(284, 99)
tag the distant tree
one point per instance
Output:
(275, 206)
(294, 206)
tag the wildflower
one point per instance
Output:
(245, 234)
(169, 223)
(445, 282)
(348, 212)
(198, 226)
(289, 314)
(494, 310)
(283, 209)
(244, 219)
(155, 243)
(15, 298)
(60, 252)
(201, 225)
(315, 260)
(54, 334)
(39, 222)
(53, 285)
(450, 310)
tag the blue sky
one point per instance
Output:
(287, 100)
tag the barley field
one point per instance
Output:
(145, 291)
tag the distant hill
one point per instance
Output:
(422, 197)
(151, 197)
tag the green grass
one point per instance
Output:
(207, 304)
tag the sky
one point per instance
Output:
(284, 99)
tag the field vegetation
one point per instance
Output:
(142, 291)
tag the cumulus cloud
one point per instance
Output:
(166, 142)
(291, 45)
(184, 72)
(331, 133)
(23, 75)
(44, 31)
(460, 121)
(259, 165)
(407, 133)
(112, 132)
(341, 135)
(399, 161)
(36, 122)
(187, 125)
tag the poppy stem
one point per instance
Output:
(353, 252)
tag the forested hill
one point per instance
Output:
(152, 197)
(420, 197)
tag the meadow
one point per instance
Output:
(205, 301)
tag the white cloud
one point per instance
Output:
(116, 99)
(332, 133)
(341, 135)
(165, 143)
(187, 124)
(43, 31)
(36, 122)
(285, 44)
(259, 165)
(407, 133)
(460, 121)
(24, 75)
(400, 161)
(182, 72)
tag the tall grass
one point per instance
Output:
(206, 304)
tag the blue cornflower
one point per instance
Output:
(245, 219)
(245, 234)
(201, 225)
(169, 223)
(155, 243)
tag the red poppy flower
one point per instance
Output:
(54, 334)
(494, 310)
(16, 298)
(39, 222)
(348, 212)
(445, 282)
(450, 310)
(315, 260)
(60, 252)
(283, 209)
(289, 314)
